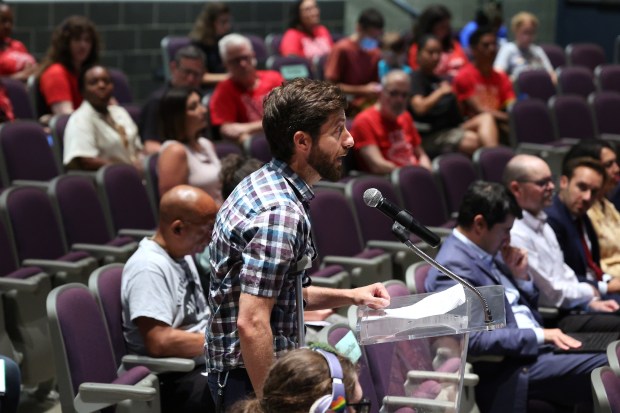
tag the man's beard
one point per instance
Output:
(326, 169)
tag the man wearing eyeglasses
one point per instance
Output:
(385, 136)
(186, 70)
(236, 107)
(530, 181)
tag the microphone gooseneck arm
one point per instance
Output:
(403, 236)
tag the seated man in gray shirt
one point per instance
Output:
(164, 308)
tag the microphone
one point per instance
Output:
(374, 199)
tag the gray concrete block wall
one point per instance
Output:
(132, 31)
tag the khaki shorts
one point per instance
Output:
(443, 141)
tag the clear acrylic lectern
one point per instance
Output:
(418, 347)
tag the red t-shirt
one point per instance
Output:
(58, 84)
(14, 57)
(350, 64)
(230, 103)
(6, 106)
(298, 43)
(396, 139)
(492, 93)
(449, 64)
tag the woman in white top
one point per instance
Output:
(523, 54)
(186, 157)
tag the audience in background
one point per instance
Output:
(12, 386)
(479, 250)
(300, 380)
(435, 20)
(6, 106)
(75, 45)
(165, 311)
(480, 88)
(213, 23)
(385, 136)
(522, 54)
(582, 181)
(306, 37)
(186, 70)
(490, 15)
(603, 214)
(236, 106)
(393, 54)
(434, 103)
(15, 61)
(99, 133)
(529, 179)
(352, 63)
(186, 157)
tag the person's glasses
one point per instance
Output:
(363, 406)
(543, 183)
(189, 72)
(397, 93)
(237, 60)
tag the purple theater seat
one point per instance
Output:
(536, 84)
(575, 81)
(573, 117)
(587, 55)
(491, 162)
(606, 107)
(455, 172)
(530, 122)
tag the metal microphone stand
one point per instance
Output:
(403, 236)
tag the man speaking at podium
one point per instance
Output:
(479, 250)
(262, 241)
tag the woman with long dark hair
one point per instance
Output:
(306, 37)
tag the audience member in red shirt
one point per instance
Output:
(237, 103)
(15, 61)
(306, 37)
(480, 88)
(384, 134)
(435, 20)
(352, 63)
(75, 45)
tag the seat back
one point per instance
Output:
(169, 47)
(32, 223)
(273, 41)
(373, 223)
(491, 162)
(290, 67)
(79, 210)
(122, 90)
(224, 148)
(260, 49)
(606, 389)
(152, 179)
(530, 122)
(125, 199)
(420, 195)
(576, 81)
(8, 258)
(606, 107)
(396, 288)
(37, 100)
(455, 173)
(318, 64)
(20, 100)
(105, 283)
(335, 230)
(418, 273)
(607, 78)
(536, 84)
(555, 54)
(82, 348)
(25, 153)
(258, 147)
(588, 55)
(58, 124)
(572, 117)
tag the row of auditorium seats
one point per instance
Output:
(570, 80)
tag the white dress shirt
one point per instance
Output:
(557, 282)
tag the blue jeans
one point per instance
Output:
(237, 386)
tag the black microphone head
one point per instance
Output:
(372, 197)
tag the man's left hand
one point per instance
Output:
(374, 296)
(516, 260)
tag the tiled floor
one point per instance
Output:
(28, 404)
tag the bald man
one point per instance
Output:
(384, 134)
(164, 308)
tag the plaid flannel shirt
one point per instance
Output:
(261, 232)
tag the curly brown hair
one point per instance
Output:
(60, 48)
(204, 27)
